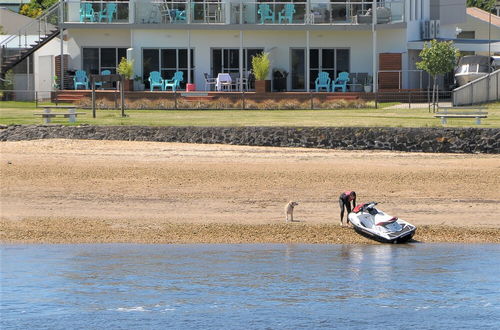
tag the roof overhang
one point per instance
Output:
(475, 45)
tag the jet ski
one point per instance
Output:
(371, 222)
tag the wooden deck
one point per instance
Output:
(71, 96)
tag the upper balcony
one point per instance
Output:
(235, 14)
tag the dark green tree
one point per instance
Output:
(486, 5)
(438, 58)
(36, 7)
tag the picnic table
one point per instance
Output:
(461, 112)
(47, 113)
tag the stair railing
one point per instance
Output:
(41, 27)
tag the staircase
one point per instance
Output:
(29, 39)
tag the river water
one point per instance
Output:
(130, 286)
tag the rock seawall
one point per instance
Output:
(453, 140)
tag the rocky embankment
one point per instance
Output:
(448, 140)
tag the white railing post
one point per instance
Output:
(241, 12)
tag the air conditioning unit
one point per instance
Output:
(432, 30)
(437, 27)
(425, 30)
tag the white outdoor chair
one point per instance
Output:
(209, 81)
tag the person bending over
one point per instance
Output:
(345, 200)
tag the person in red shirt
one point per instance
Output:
(345, 200)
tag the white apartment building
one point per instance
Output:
(302, 37)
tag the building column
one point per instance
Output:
(374, 43)
(241, 60)
(189, 57)
(308, 78)
(61, 36)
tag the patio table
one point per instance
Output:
(223, 79)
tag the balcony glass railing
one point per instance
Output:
(180, 12)
(103, 12)
(232, 12)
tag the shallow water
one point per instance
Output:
(423, 286)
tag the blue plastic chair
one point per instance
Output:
(286, 13)
(87, 12)
(175, 82)
(323, 81)
(265, 13)
(108, 12)
(341, 82)
(81, 79)
(155, 80)
(103, 73)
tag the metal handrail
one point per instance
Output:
(22, 31)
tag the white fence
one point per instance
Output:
(485, 89)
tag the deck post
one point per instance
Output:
(122, 96)
(93, 97)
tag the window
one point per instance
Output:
(167, 61)
(95, 60)
(467, 35)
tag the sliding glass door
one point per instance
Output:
(167, 61)
(331, 60)
(227, 60)
(95, 60)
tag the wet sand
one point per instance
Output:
(72, 191)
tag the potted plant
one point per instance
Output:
(139, 83)
(260, 68)
(368, 84)
(55, 82)
(279, 80)
(126, 69)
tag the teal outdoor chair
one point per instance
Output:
(286, 13)
(341, 82)
(175, 82)
(179, 15)
(87, 12)
(81, 79)
(323, 81)
(265, 13)
(108, 12)
(103, 73)
(155, 80)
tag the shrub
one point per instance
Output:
(126, 68)
(260, 66)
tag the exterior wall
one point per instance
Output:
(452, 11)
(447, 11)
(277, 43)
(11, 22)
(480, 27)
(94, 38)
(42, 74)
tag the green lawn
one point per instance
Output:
(22, 113)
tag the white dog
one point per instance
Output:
(289, 210)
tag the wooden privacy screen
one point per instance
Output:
(68, 81)
(389, 80)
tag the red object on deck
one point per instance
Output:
(190, 87)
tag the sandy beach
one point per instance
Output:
(71, 191)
